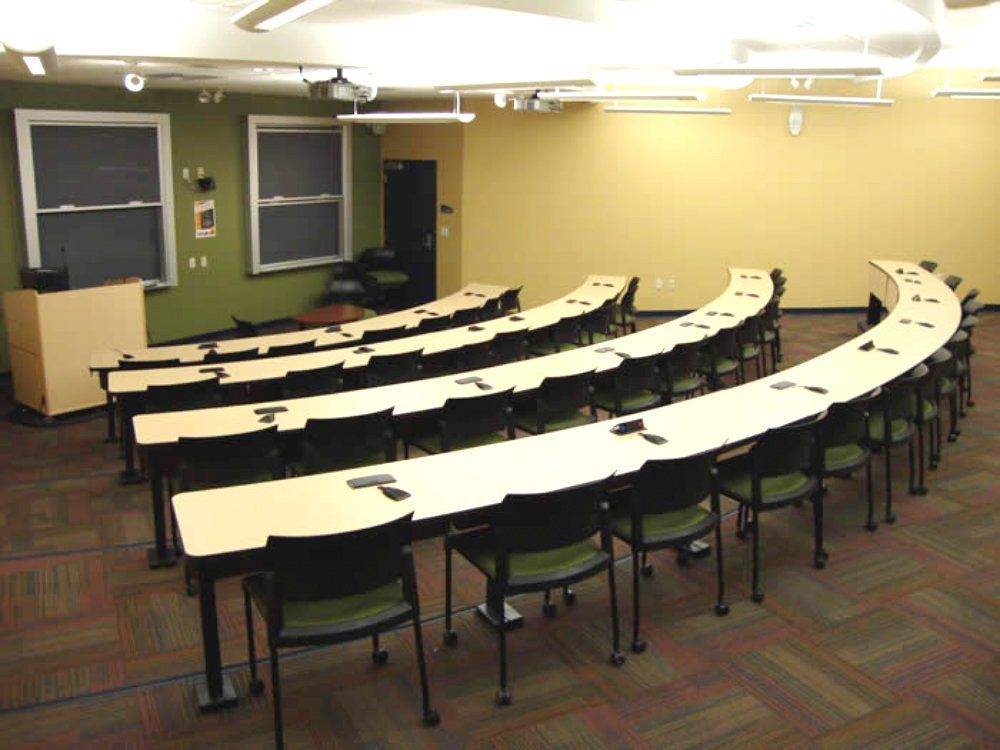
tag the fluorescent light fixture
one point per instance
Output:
(783, 72)
(2, 49)
(268, 15)
(410, 118)
(967, 93)
(34, 64)
(490, 88)
(991, 77)
(834, 101)
(624, 109)
(606, 96)
(134, 82)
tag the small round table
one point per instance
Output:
(330, 315)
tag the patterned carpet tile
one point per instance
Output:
(882, 573)
(964, 613)
(904, 726)
(971, 701)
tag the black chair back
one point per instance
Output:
(200, 394)
(475, 356)
(213, 355)
(244, 328)
(299, 383)
(431, 324)
(680, 362)
(510, 301)
(952, 282)
(785, 449)
(333, 444)
(538, 522)
(474, 416)
(561, 394)
(232, 459)
(348, 291)
(337, 565)
(490, 310)
(598, 321)
(510, 346)
(669, 485)
(928, 265)
(969, 296)
(637, 374)
(148, 364)
(375, 335)
(385, 369)
(379, 259)
(466, 317)
(287, 350)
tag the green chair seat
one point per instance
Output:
(769, 336)
(842, 457)
(774, 489)
(528, 420)
(750, 350)
(318, 462)
(675, 523)
(630, 403)
(367, 312)
(431, 443)
(900, 429)
(388, 277)
(599, 337)
(343, 609)
(544, 349)
(946, 386)
(930, 411)
(685, 384)
(533, 564)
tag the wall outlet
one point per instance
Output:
(201, 172)
(186, 174)
(659, 283)
(671, 284)
(204, 261)
(444, 231)
(191, 262)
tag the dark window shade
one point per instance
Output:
(299, 164)
(101, 245)
(95, 165)
(303, 231)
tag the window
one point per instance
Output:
(300, 204)
(97, 194)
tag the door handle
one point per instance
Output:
(429, 241)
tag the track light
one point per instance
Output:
(668, 110)
(835, 101)
(268, 15)
(134, 82)
(967, 93)
(605, 96)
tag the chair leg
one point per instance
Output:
(638, 646)
(548, 606)
(968, 384)
(379, 655)
(911, 474)
(953, 432)
(256, 684)
(617, 657)
(450, 636)
(431, 717)
(503, 697)
(647, 567)
(819, 554)
(741, 522)
(757, 595)
(921, 488)
(870, 524)
(890, 517)
(721, 608)
(279, 739)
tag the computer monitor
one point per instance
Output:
(45, 279)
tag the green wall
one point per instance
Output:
(211, 136)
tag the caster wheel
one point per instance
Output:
(380, 657)
(970, 403)
(953, 437)
(824, 555)
(569, 596)
(432, 718)
(191, 590)
(891, 518)
(919, 491)
(618, 658)
(819, 563)
(932, 465)
(757, 597)
(741, 534)
(503, 697)
(450, 638)
(637, 648)
(256, 687)
(647, 571)
(683, 558)
(722, 610)
(549, 609)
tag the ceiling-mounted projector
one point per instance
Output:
(534, 104)
(339, 89)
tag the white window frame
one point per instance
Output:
(24, 119)
(256, 123)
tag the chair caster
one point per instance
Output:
(503, 697)
(757, 597)
(683, 557)
(722, 609)
(918, 491)
(191, 589)
(647, 570)
(637, 648)
(569, 597)
(617, 658)
(450, 638)
(432, 718)
(871, 526)
(256, 686)
(819, 563)
(823, 554)
(741, 534)
(952, 437)
(970, 403)
(890, 518)
(933, 464)
(549, 609)
(380, 657)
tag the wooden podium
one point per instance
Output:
(51, 337)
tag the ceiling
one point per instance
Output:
(409, 47)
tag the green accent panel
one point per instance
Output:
(741, 485)
(214, 137)
(333, 611)
(842, 454)
(540, 563)
(388, 278)
(672, 523)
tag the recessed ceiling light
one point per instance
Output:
(835, 101)
(411, 118)
(668, 110)
(967, 93)
(268, 15)
(263, 70)
(605, 96)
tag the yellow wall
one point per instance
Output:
(549, 198)
(443, 144)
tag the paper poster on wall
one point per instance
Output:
(204, 219)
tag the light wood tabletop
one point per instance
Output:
(237, 519)
(594, 291)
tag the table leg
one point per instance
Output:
(161, 556)
(215, 691)
(109, 408)
(129, 475)
(490, 610)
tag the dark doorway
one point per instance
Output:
(410, 219)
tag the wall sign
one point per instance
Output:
(204, 219)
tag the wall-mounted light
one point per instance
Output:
(967, 93)
(834, 73)
(134, 82)
(623, 95)
(835, 101)
(625, 109)
(268, 15)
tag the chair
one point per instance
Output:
(510, 346)
(560, 336)
(952, 282)
(288, 350)
(491, 310)
(928, 265)
(624, 311)
(536, 543)
(475, 356)
(146, 364)
(679, 375)
(300, 383)
(770, 332)
(467, 422)
(720, 357)
(214, 357)
(559, 402)
(376, 335)
(633, 386)
(200, 394)
(432, 324)
(466, 317)
(347, 442)
(383, 270)
(928, 413)
(348, 286)
(244, 328)
(846, 447)
(750, 350)
(510, 301)
(968, 324)
(663, 510)
(308, 597)
(386, 369)
(597, 324)
(783, 468)
(893, 422)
